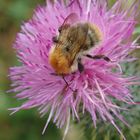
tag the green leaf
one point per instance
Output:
(137, 30)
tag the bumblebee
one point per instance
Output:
(73, 42)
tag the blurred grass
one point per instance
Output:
(27, 125)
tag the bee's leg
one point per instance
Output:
(80, 66)
(99, 57)
(63, 76)
(55, 74)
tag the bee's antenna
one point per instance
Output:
(67, 83)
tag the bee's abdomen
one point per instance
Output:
(96, 34)
(93, 36)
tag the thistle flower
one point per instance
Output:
(101, 83)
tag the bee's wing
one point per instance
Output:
(69, 20)
(80, 38)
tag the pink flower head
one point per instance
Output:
(95, 88)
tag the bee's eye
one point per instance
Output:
(67, 49)
(55, 39)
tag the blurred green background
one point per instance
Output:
(27, 125)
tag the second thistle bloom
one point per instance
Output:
(98, 83)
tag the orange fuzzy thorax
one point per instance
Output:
(59, 62)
